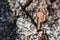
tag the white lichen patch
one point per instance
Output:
(27, 28)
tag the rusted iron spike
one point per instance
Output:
(40, 15)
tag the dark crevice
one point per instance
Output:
(44, 36)
(52, 1)
(27, 4)
(27, 13)
(50, 10)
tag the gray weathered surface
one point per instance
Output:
(26, 28)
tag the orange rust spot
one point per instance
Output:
(40, 15)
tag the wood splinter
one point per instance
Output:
(40, 15)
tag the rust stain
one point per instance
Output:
(40, 15)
